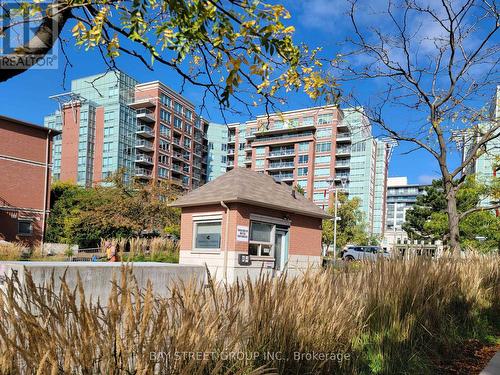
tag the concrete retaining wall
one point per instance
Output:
(97, 277)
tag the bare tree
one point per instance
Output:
(437, 61)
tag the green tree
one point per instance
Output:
(351, 227)
(221, 46)
(85, 215)
(479, 227)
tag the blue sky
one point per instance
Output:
(319, 23)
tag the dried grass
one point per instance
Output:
(389, 316)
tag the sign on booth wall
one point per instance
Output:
(242, 233)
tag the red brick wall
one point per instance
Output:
(69, 150)
(22, 182)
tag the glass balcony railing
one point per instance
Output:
(282, 152)
(142, 172)
(143, 144)
(145, 115)
(282, 176)
(281, 165)
(145, 131)
(145, 159)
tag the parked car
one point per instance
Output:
(353, 252)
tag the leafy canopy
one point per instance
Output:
(85, 215)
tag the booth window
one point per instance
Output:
(207, 235)
(261, 239)
(25, 227)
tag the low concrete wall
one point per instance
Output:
(296, 265)
(97, 277)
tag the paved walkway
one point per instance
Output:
(493, 367)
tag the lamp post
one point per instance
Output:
(343, 182)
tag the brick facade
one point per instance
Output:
(25, 151)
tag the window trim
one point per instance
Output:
(212, 217)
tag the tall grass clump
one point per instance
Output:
(387, 317)
(144, 249)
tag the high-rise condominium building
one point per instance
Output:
(310, 146)
(486, 165)
(401, 196)
(111, 122)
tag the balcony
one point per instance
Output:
(145, 131)
(177, 155)
(143, 103)
(343, 137)
(285, 138)
(177, 142)
(282, 153)
(340, 176)
(340, 164)
(176, 167)
(231, 140)
(230, 164)
(343, 151)
(286, 165)
(143, 173)
(145, 115)
(144, 159)
(248, 160)
(283, 176)
(231, 151)
(144, 145)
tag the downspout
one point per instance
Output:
(226, 236)
(45, 189)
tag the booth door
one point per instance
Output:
(281, 249)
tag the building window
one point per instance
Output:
(324, 133)
(307, 121)
(165, 100)
(223, 147)
(322, 172)
(260, 239)
(323, 184)
(207, 234)
(302, 171)
(25, 227)
(165, 116)
(189, 115)
(304, 146)
(260, 150)
(178, 108)
(177, 122)
(165, 130)
(162, 172)
(303, 159)
(259, 163)
(323, 147)
(322, 159)
(325, 118)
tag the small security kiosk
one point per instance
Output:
(245, 222)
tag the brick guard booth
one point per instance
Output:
(244, 222)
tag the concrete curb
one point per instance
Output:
(493, 367)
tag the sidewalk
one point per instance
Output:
(493, 367)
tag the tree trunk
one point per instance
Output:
(453, 219)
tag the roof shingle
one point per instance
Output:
(246, 186)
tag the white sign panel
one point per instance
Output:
(242, 233)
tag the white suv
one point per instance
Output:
(353, 252)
